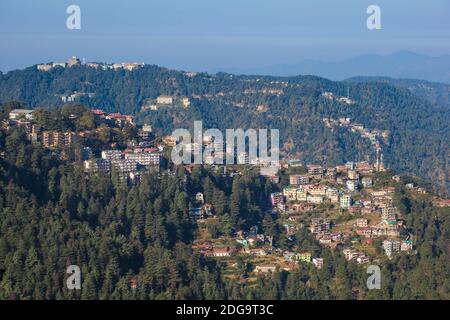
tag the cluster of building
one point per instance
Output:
(319, 185)
(115, 118)
(75, 96)
(128, 164)
(202, 212)
(350, 188)
(390, 226)
(53, 139)
(62, 139)
(74, 61)
(216, 152)
(210, 250)
(351, 254)
(254, 243)
(48, 138)
(374, 136)
(248, 242)
(391, 246)
(165, 101)
(333, 97)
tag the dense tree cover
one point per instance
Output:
(133, 242)
(436, 93)
(419, 130)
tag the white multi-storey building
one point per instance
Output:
(352, 185)
(345, 201)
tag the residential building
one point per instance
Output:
(97, 165)
(318, 262)
(362, 259)
(298, 179)
(44, 67)
(352, 185)
(243, 158)
(406, 245)
(361, 223)
(345, 201)
(353, 175)
(367, 182)
(59, 64)
(265, 269)
(185, 102)
(305, 257)
(124, 167)
(366, 232)
(290, 193)
(289, 256)
(391, 246)
(222, 252)
(199, 197)
(315, 171)
(314, 199)
(73, 61)
(112, 155)
(350, 254)
(350, 165)
(332, 194)
(276, 198)
(320, 225)
(295, 163)
(317, 189)
(166, 100)
(18, 114)
(145, 132)
(331, 173)
(197, 213)
(120, 119)
(55, 139)
(144, 158)
(302, 195)
(388, 212)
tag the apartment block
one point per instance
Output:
(297, 179)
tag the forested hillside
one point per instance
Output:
(434, 92)
(134, 242)
(418, 130)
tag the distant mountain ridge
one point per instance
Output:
(402, 64)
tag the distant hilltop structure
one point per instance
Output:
(74, 61)
(346, 100)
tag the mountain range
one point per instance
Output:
(401, 64)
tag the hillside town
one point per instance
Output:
(140, 155)
(340, 206)
(344, 207)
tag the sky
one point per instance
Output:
(205, 35)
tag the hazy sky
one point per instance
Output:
(211, 34)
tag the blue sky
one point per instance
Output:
(213, 34)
